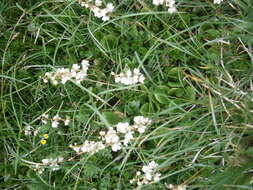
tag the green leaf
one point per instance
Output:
(112, 117)
(162, 89)
(176, 92)
(147, 109)
(175, 84)
(133, 107)
(90, 170)
(161, 98)
(105, 182)
(212, 33)
(190, 93)
(175, 73)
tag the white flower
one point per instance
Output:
(27, 130)
(92, 147)
(46, 161)
(117, 79)
(116, 147)
(141, 123)
(89, 147)
(157, 177)
(66, 122)
(123, 127)
(76, 148)
(63, 74)
(153, 165)
(168, 3)
(217, 1)
(141, 79)
(111, 136)
(109, 7)
(56, 120)
(35, 133)
(172, 10)
(55, 82)
(85, 64)
(141, 128)
(75, 68)
(129, 77)
(138, 173)
(179, 187)
(96, 7)
(140, 120)
(44, 118)
(147, 169)
(55, 124)
(139, 183)
(158, 2)
(105, 18)
(128, 137)
(39, 168)
(102, 133)
(149, 174)
(98, 3)
(136, 71)
(54, 166)
(52, 163)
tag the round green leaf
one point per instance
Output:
(112, 117)
(162, 98)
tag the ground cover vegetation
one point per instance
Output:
(126, 94)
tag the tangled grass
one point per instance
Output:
(193, 85)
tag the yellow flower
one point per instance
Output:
(43, 141)
(45, 136)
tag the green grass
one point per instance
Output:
(198, 65)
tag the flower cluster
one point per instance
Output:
(56, 121)
(129, 77)
(177, 187)
(52, 163)
(217, 1)
(141, 123)
(77, 73)
(169, 3)
(28, 130)
(44, 118)
(112, 137)
(88, 146)
(126, 129)
(149, 175)
(96, 8)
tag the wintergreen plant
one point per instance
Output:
(149, 94)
